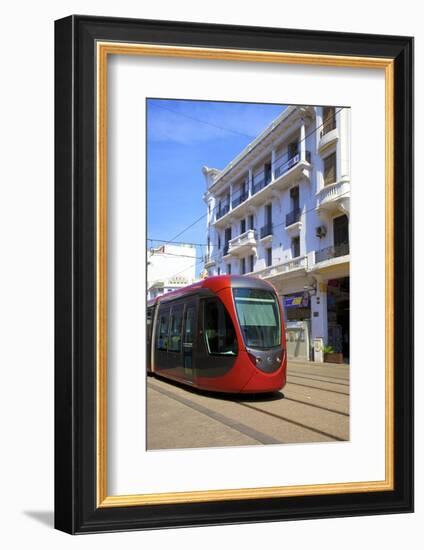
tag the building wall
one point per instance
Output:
(169, 267)
(319, 205)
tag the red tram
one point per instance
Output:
(224, 333)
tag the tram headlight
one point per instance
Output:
(255, 360)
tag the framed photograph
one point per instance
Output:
(234, 274)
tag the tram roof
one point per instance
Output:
(215, 284)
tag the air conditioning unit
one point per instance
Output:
(321, 231)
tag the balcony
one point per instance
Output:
(263, 187)
(328, 138)
(209, 261)
(266, 231)
(331, 252)
(243, 244)
(293, 265)
(284, 167)
(293, 217)
(334, 197)
(222, 210)
(239, 199)
(260, 182)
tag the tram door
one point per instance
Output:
(189, 334)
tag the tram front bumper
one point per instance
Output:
(262, 382)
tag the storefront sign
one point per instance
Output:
(300, 299)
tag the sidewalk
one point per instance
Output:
(295, 361)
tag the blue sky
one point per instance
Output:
(183, 136)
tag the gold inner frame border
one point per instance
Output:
(103, 50)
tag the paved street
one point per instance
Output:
(314, 406)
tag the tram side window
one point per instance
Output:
(220, 334)
(189, 325)
(175, 329)
(162, 339)
(149, 316)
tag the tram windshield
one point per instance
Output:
(259, 317)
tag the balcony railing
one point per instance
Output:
(261, 181)
(284, 167)
(238, 200)
(331, 252)
(286, 267)
(293, 216)
(333, 193)
(242, 242)
(208, 260)
(224, 209)
(266, 230)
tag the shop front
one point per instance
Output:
(338, 315)
(297, 312)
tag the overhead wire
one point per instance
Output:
(202, 121)
(240, 193)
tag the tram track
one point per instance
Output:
(238, 426)
(302, 371)
(314, 405)
(319, 389)
(290, 421)
(317, 380)
(247, 430)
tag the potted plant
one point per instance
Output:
(331, 356)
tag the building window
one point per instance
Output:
(219, 271)
(219, 241)
(268, 214)
(268, 256)
(242, 226)
(267, 172)
(341, 235)
(228, 269)
(295, 246)
(292, 150)
(330, 169)
(251, 263)
(251, 221)
(294, 196)
(243, 266)
(227, 240)
(328, 120)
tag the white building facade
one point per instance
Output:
(280, 211)
(169, 267)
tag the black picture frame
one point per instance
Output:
(76, 509)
